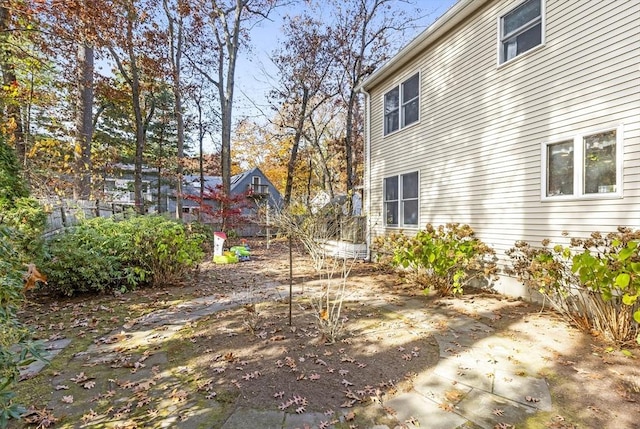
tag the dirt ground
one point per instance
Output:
(251, 356)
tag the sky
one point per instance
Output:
(256, 75)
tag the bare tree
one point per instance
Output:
(229, 21)
(127, 58)
(175, 28)
(363, 32)
(305, 66)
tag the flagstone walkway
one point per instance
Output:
(481, 380)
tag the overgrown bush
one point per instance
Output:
(445, 258)
(16, 347)
(103, 254)
(21, 224)
(22, 213)
(594, 282)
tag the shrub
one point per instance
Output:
(164, 249)
(21, 224)
(16, 348)
(445, 258)
(83, 259)
(594, 282)
(102, 254)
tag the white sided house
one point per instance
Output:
(520, 118)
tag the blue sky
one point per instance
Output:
(253, 80)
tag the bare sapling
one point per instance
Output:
(315, 233)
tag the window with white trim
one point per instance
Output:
(401, 200)
(402, 105)
(584, 166)
(520, 30)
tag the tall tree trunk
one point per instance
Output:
(294, 149)
(9, 79)
(175, 48)
(134, 82)
(228, 44)
(84, 120)
(348, 146)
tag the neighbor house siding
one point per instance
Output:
(479, 140)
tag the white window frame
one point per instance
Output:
(401, 106)
(501, 39)
(400, 201)
(579, 166)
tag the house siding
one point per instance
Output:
(478, 143)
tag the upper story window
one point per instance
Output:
(257, 187)
(520, 30)
(584, 166)
(401, 200)
(402, 105)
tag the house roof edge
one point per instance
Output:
(452, 17)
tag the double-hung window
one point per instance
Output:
(588, 165)
(402, 105)
(401, 200)
(520, 30)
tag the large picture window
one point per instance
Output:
(520, 30)
(402, 105)
(401, 200)
(587, 165)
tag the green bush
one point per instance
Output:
(16, 348)
(82, 260)
(21, 225)
(27, 218)
(103, 254)
(594, 282)
(445, 258)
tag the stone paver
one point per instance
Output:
(416, 411)
(52, 348)
(481, 379)
(244, 418)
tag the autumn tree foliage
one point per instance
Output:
(87, 84)
(326, 54)
(228, 211)
(305, 66)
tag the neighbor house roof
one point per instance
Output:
(451, 18)
(192, 182)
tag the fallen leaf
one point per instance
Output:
(350, 416)
(178, 395)
(348, 404)
(67, 399)
(412, 421)
(453, 395)
(446, 407)
(80, 378)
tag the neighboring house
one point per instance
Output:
(261, 195)
(119, 187)
(519, 118)
(160, 195)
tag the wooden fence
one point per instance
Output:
(64, 213)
